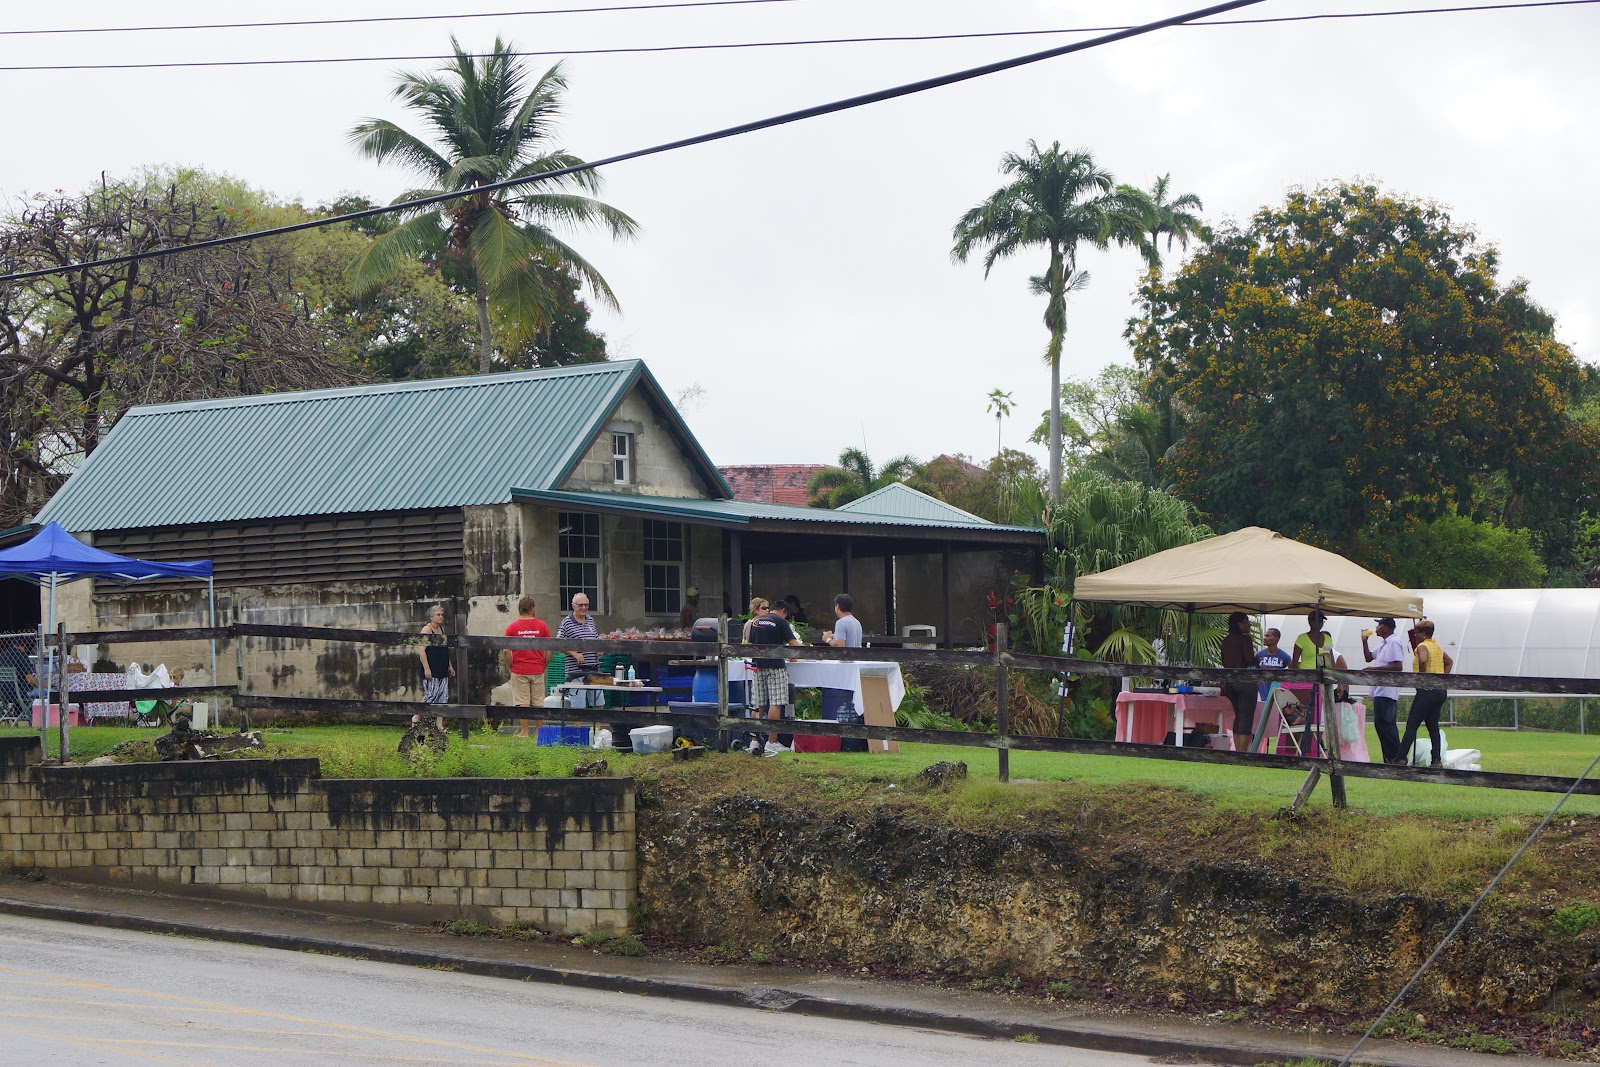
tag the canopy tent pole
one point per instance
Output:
(47, 666)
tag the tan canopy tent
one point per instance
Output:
(1253, 570)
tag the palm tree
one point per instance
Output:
(490, 125)
(1000, 404)
(1174, 218)
(856, 476)
(1056, 200)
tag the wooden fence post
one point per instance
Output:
(61, 709)
(1002, 698)
(722, 682)
(461, 661)
(1330, 730)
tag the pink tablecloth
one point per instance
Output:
(89, 683)
(1147, 718)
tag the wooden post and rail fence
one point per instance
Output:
(1000, 658)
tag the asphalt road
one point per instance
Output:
(84, 996)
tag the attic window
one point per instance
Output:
(622, 458)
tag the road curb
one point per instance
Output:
(761, 997)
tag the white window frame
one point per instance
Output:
(581, 526)
(621, 458)
(656, 534)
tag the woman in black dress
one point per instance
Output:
(1238, 650)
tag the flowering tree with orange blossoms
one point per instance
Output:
(1350, 360)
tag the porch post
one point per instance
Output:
(890, 613)
(735, 599)
(946, 633)
(846, 561)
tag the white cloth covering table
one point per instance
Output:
(835, 674)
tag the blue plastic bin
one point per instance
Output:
(564, 735)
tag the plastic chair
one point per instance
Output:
(13, 705)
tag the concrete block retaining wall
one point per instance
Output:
(558, 853)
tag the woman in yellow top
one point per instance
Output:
(1426, 705)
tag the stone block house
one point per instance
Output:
(361, 507)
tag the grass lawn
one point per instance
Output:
(369, 751)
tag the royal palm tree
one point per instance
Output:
(1000, 404)
(488, 125)
(856, 476)
(1057, 201)
(1162, 215)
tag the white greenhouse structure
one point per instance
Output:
(1531, 633)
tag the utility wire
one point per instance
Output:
(800, 42)
(815, 111)
(388, 18)
(1462, 922)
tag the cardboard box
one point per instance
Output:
(879, 710)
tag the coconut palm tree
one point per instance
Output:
(856, 476)
(1163, 215)
(1000, 404)
(488, 124)
(1057, 201)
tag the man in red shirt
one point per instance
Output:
(526, 664)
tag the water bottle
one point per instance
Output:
(632, 678)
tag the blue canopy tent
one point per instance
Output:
(53, 557)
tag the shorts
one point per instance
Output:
(771, 687)
(528, 690)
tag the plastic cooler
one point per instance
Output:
(647, 739)
(808, 743)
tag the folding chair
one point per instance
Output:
(13, 705)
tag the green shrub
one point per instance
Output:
(465, 928)
(1576, 917)
(1490, 1043)
(624, 946)
(593, 939)
(1061, 989)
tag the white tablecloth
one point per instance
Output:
(830, 674)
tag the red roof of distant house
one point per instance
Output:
(777, 483)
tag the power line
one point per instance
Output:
(387, 18)
(1462, 922)
(815, 111)
(801, 42)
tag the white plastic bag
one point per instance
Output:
(1350, 724)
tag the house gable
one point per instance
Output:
(658, 456)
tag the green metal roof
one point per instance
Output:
(899, 500)
(441, 443)
(748, 513)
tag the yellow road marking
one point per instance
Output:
(98, 1046)
(207, 1005)
(279, 1051)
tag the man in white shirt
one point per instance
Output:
(846, 632)
(1390, 656)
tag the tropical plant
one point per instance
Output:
(491, 126)
(1163, 215)
(1057, 201)
(1099, 524)
(1000, 404)
(856, 476)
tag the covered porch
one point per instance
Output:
(906, 558)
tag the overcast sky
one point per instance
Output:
(801, 276)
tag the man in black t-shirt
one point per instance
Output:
(771, 687)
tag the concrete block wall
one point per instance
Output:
(557, 853)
